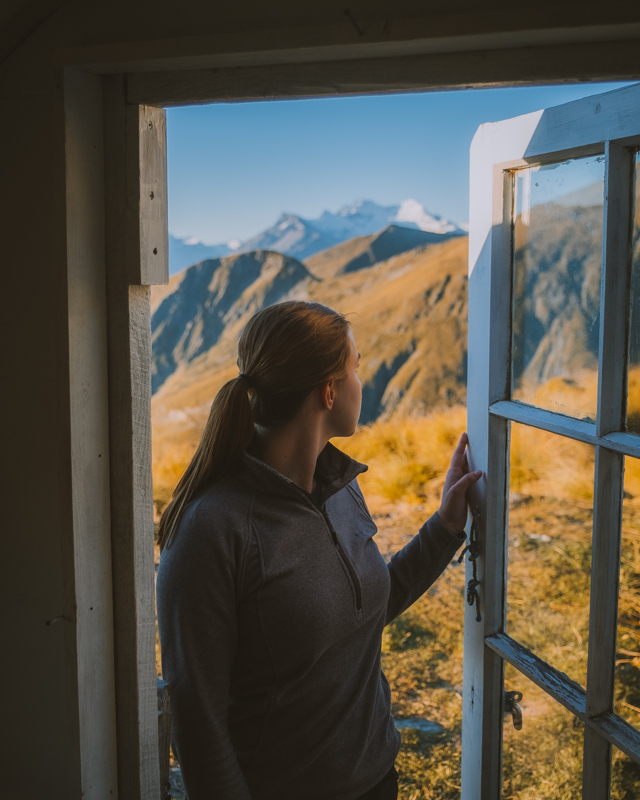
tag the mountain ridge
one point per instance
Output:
(408, 312)
(203, 303)
(408, 315)
(365, 251)
(297, 236)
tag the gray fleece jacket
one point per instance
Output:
(271, 605)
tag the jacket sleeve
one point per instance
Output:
(196, 593)
(416, 567)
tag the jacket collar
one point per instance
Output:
(334, 471)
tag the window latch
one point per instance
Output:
(511, 700)
(473, 551)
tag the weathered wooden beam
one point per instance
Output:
(90, 578)
(614, 303)
(129, 339)
(377, 34)
(568, 693)
(603, 616)
(605, 580)
(554, 682)
(152, 196)
(609, 466)
(578, 429)
(584, 62)
(596, 766)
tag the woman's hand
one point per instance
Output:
(453, 508)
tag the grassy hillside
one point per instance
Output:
(364, 251)
(409, 318)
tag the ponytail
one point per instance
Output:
(228, 431)
(287, 350)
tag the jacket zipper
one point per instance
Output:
(346, 561)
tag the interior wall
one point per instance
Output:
(57, 714)
(40, 709)
(59, 711)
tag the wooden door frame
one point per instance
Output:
(121, 158)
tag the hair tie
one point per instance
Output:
(247, 377)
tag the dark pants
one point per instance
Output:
(387, 789)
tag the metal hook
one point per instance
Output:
(511, 700)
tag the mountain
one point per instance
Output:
(292, 235)
(303, 238)
(212, 300)
(557, 280)
(408, 315)
(185, 252)
(299, 237)
(364, 251)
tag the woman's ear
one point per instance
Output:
(328, 395)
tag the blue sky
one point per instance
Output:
(234, 167)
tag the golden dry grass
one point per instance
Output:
(408, 457)
(548, 595)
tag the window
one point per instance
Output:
(552, 409)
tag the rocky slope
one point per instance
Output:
(212, 300)
(408, 312)
(557, 289)
(408, 315)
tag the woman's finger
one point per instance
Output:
(459, 450)
(466, 481)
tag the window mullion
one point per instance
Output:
(494, 531)
(605, 571)
(616, 254)
(609, 466)
(596, 768)
(605, 576)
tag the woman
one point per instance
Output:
(272, 594)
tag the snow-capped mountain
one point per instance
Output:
(411, 214)
(299, 237)
(293, 236)
(364, 217)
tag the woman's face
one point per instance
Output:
(348, 396)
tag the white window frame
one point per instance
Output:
(606, 124)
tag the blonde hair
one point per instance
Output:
(285, 352)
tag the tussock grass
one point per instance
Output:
(407, 457)
(168, 465)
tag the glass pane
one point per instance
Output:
(633, 397)
(544, 759)
(627, 683)
(556, 285)
(549, 556)
(625, 777)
